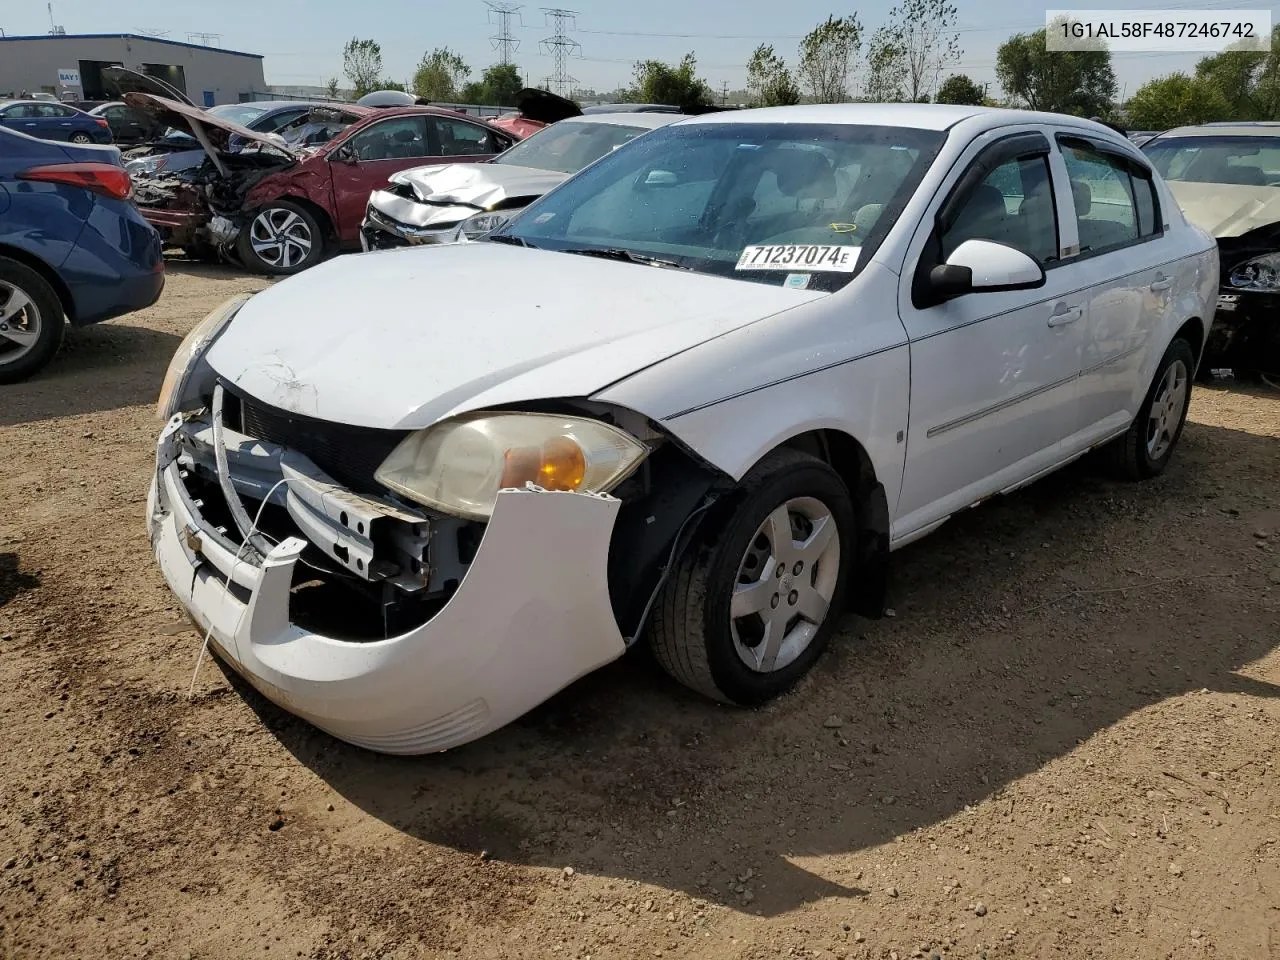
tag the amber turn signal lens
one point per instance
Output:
(559, 464)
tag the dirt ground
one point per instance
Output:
(1064, 744)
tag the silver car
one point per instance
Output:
(464, 201)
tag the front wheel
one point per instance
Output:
(282, 238)
(1145, 450)
(749, 607)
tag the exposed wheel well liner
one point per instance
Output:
(49, 273)
(1193, 332)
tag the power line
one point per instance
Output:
(503, 41)
(561, 46)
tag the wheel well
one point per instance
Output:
(869, 580)
(1193, 332)
(47, 272)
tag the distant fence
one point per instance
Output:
(473, 109)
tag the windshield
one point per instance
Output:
(1243, 161)
(773, 203)
(307, 131)
(241, 113)
(567, 147)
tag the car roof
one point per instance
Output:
(1259, 129)
(650, 121)
(376, 113)
(272, 105)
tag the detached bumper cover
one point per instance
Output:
(531, 615)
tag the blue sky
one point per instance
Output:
(302, 39)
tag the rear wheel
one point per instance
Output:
(1145, 450)
(81, 138)
(30, 321)
(282, 238)
(752, 603)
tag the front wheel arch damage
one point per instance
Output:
(676, 494)
(1193, 331)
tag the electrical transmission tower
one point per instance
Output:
(561, 46)
(208, 39)
(501, 13)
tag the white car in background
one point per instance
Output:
(698, 394)
(464, 201)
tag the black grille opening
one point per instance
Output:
(351, 455)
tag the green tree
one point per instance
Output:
(827, 56)
(362, 63)
(886, 68)
(678, 86)
(1175, 100)
(1248, 81)
(500, 86)
(439, 75)
(924, 31)
(331, 88)
(388, 84)
(959, 88)
(1079, 82)
(769, 82)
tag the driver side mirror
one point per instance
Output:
(346, 154)
(984, 266)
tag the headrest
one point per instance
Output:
(805, 174)
(1082, 194)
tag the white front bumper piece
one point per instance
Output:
(531, 615)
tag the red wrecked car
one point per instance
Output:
(278, 206)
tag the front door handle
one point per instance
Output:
(1063, 315)
(1161, 283)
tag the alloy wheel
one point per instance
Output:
(1166, 410)
(280, 238)
(19, 323)
(785, 584)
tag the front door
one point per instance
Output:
(372, 155)
(994, 375)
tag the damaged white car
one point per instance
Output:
(751, 354)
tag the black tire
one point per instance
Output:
(283, 264)
(17, 363)
(1131, 455)
(81, 138)
(692, 636)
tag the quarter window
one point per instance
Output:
(1013, 205)
(1115, 202)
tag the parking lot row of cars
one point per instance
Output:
(688, 380)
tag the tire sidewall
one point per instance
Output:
(250, 258)
(1178, 350)
(734, 678)
(51, 320)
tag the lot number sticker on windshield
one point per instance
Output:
(813, 257)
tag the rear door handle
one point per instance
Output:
(1161, 283)
(1062, 315)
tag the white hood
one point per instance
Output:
(479, 185)
(1226, 209)
(403, 338)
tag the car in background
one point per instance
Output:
(695, 395)
(128, 127)
(1226, 178)
(53, 121)
(1139, 137)
(72, 246)
(281, 207)
(458, 202)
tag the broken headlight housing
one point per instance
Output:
(183, 389)
(473, 228)
(1261, 273)
(459, 466)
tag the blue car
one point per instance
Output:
(53, 121)
(72, 245)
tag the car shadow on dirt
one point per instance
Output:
(1022, 628)
(12, 580)
(99, 368)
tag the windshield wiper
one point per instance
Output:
(626, 256)
(507, 238)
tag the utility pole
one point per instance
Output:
(561, 46)
(724, 93)
(500, 13)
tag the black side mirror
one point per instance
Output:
(346, 154)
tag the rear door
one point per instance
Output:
(459, 141)
(362, 162)
(1122, 241)
(58, 122)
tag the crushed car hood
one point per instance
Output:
(183, 116)
(1226, 209)
(403, 338)
(480, 185)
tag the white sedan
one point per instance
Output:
(696, 395)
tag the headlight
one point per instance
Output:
(147, 166)
(460, 465)
(1260, 273)
(473, 228)
(180, 390)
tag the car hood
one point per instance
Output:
(1226, 209)
(189, 119)
(404, 338)
(480, 185)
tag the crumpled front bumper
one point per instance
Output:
(531, 615)
(394, 221)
